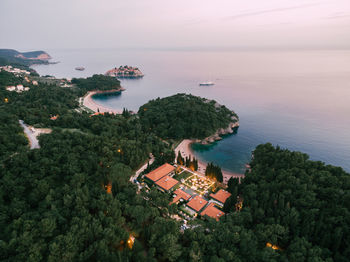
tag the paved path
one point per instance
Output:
(34, 143)
(132, 178)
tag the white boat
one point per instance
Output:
(80, 68)
(208, 83)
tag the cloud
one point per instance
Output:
(266, 11)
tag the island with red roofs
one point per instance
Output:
(125, 72)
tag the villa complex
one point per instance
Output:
(190, 191)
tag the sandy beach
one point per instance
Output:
(90, 103)
(185, 148)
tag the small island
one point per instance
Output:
(125, 72)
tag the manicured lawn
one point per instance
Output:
(183, 175)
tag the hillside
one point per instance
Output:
(11, 56)
(55, 206)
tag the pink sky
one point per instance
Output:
(161, 23)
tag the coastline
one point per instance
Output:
(92, 105)
(219, 133)
(185, 148)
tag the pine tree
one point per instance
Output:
(180, 159)
(195, 163)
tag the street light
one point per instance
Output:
(131, 241)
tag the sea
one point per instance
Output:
(294, 98)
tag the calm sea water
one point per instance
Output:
(295, 99)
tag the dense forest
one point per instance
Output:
(305, 204)
(184, 116)
(71, 200)
(53, 202)
(96, 82)
(294, 209)
(7, 79)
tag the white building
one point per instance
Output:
(18, 88)
(11, 88)
(14, 70)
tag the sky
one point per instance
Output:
(42, 24)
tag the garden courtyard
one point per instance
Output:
(198, 183)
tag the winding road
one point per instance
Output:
(132, 178)
(33, 141)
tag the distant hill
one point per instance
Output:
(11, 56)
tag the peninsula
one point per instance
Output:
(188, 119)
(184, 116)
(11, 56)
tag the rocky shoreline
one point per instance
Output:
(108, 91)
(219, 133)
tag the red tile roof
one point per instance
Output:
(97, 113)
(167, 182)
(159, 172)
(212, 211)
(197, 203)
(54, 117)
(221, 196)
(180, 194)
(102, 113)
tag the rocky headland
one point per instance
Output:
(220, 133)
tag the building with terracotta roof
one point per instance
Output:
(221, 196)
(180, 194)
(166, 183)
(197, 203)
(97, 114)
(212, 211)
(54, 117)
(160, 172)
